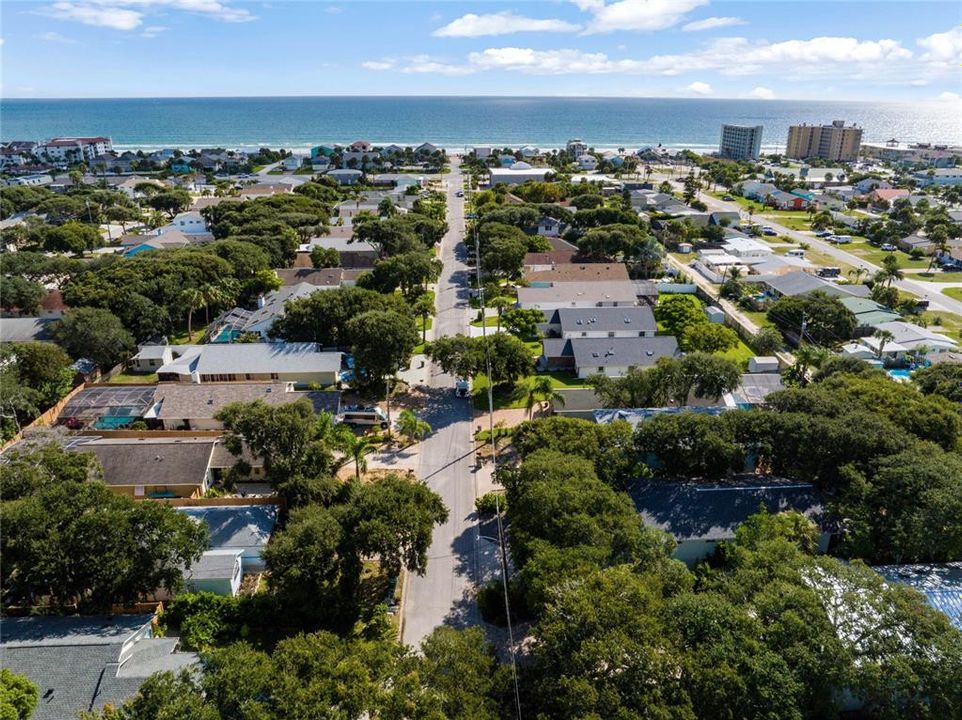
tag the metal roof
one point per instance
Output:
(940, 584)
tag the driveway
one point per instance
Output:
(459, 558)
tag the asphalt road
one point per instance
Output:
(459, 558)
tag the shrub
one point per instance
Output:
(489, 503)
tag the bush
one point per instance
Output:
(489, 503)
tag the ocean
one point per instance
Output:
(454, 123)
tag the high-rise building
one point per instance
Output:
(576, 148)
(835, 142)
(740, 142)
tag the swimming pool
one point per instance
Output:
(225, 335)
(900, 374)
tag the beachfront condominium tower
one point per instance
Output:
(740, 142)
(835, 142)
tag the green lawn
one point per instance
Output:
(870, 253)
(304, 170)
(793, 220)
(743, 202)
(935, 277)
(945, 323)
(489, 321)
(740, 354)
(132, 379)
(276, 171)
(758, 317)
(818, 257)
(179, 336)
(508, 397)
(954, 293)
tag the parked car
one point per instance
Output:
(361, 415)
(727, 198)
(828, 272)
(460, 193)
(823, 233)
(887, 247)
(840, 239)
(766, 230)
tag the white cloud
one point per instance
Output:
(712, 23)
(152, 31)
(101, 16)
(816, 56)
(502, 23)
(377, 64)
(943, 48)
(699, 88)
(333, 9)
(426, 64)
(550, 62)
(950, 97)
(637, 14)
(129, 14)
(762, 93)
(55, 37)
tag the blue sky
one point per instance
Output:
(663, 48)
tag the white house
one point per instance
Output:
(588, 162)
(747, 249)
(619, 293)
(520, 172)
(189, 223)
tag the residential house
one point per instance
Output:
(867, 185)
(939, 177)
(746, 249)
(951, 257)
(578, 294)
(587, 162)
(887, 195)
(786, 200)
(549, 226)
(915, 338)
(38, 180)
(940, 583)
(700, 516)
(541, 261)
(353, 255)
(801, 283)
(189, 223)
(611, 356)
(576, 148)
(916, 242)
(753, 388)
(153, 467)
(868, 314)
(270, 308)
(150, 358)
(520, 172)
(425, 149)
(181, 166)
(187, 406)
(603, 322)
(245, 528)
(577, 272)
(81, 663)
(725, 219)
(301, 363)
(129, 186)
(25, 329)
(319, 277)
(154, 242)
(346, 176)
(264, 190)
(755, 190)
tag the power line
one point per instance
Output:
(494, 469)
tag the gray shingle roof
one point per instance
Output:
(179, 401)
(24, 329)
(622, 352)
(238, 526)
(802, 283)
(76, 661)
(605, 319)
(161, 461)
(214, 565)
(691, 511)
(253, 358)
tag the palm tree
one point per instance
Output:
(883, 336)
(499, 303)
(856, 274)
(412, 427)
(542, 390)
(192, 299)
(806, 358)
(424, 308)
(355, 448)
